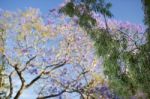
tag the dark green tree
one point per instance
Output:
(146, 7)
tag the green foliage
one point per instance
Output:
(69, 9)
(146, 6)
(140, 69)
(120, 82)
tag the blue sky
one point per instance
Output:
(128, 10)
(125, 10)
(43, 5)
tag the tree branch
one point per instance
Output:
(43, 72)
(58, 65)
(11, 86)
(52, 95)
(60, 93)
(19, 73)
(22, 82)
(66, 89)
(28, 63)
(34, 80)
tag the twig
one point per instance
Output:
(28, 63)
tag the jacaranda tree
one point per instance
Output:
(49, 54)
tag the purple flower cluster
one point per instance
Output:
(103, 91)
(64, 71)
(24, 51)
(33, 71)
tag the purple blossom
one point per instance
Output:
(49, 22)
(75, 19)
(79, 85)
(108, 94)
(103, 88)
(23, 21)
(79, 38)
(92, 91)
(104, 91)
(115, 97)
(97, 89)
(64, 71)
(44, 60)
(1, 27)
(54, 90)
(34, 71)
(24, 50)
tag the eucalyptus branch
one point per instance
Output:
(124, 33)
(106, 24)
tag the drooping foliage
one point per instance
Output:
(123, 47)
(83, 9)
(117, 49)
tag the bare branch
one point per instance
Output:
(28, 63)
(52, 95)
(34, 80)
(43, 72)
(40, 92)
(77, 91)
(66, 89)
(83, 73)
(58, 65)
(60, 93)
(22, 82)
(19, 73)
(30, 60)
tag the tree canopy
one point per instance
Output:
(79, 52)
